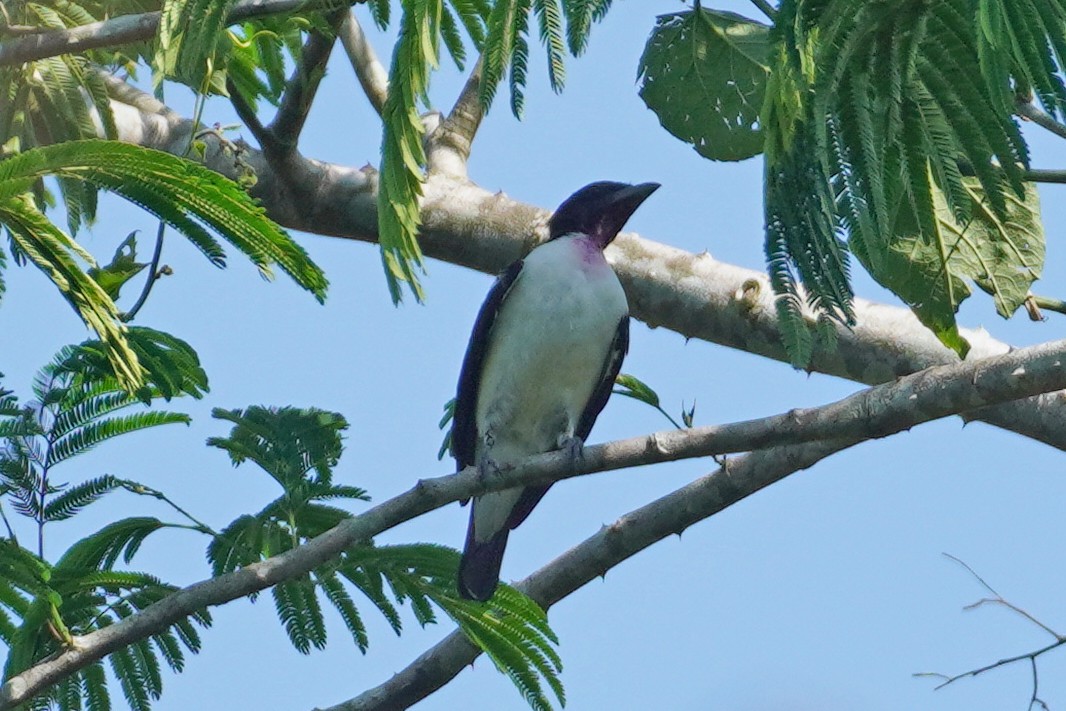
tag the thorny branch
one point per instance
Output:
(877, 411)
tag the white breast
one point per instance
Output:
(547, 349)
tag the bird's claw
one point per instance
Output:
(573, 447)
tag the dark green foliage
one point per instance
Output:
(299, 448)
(171, 366)
(875, 111)
(79, 404)
(78, 595)
(704, 75)
(183, 194)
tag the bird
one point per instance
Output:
(546, 347)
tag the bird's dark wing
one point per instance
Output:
(532, 495)
(613, 364)
(464, 420)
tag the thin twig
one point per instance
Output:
(142, 490)
(153, 275)
(7, 524)
(368, 68)
(1037, 115)
(989, 667)
(998, 599)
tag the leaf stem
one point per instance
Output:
(142, 490)
(153, 275)
(1049, 303)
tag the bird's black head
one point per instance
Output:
(599, 210)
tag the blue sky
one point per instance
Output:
(826, 591)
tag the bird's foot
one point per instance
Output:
(487, 470)
(573, 447)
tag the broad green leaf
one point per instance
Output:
(1004, 256)
(930, 269)
(704, 74)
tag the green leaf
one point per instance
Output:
(176, 191)
(704, 74)
(631, 386)
(402, 155)
(171, 365)
(75, 498)
(288, 442)
(191, 41)
(123, 267)
(1004, 256)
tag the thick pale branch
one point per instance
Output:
(694, 295)
(597, 554)
(130, 28)
(368, 68)
(448, 146)
(878, 411)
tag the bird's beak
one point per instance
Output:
(621, 207)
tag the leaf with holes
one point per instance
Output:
(704, 75)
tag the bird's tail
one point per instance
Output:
(479, 570)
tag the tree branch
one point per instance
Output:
(1027, 109)
(1037, 175)
(694, 295)
(593, 557)
(448, 146)
(368, 69)
(877, 411)
(131, 28)
(300, 90)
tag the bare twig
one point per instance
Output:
(1027, 109)
(302, 85)
(368, 68)
(877, 411)
(597, 554)
(129, 28)
(997, 599)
